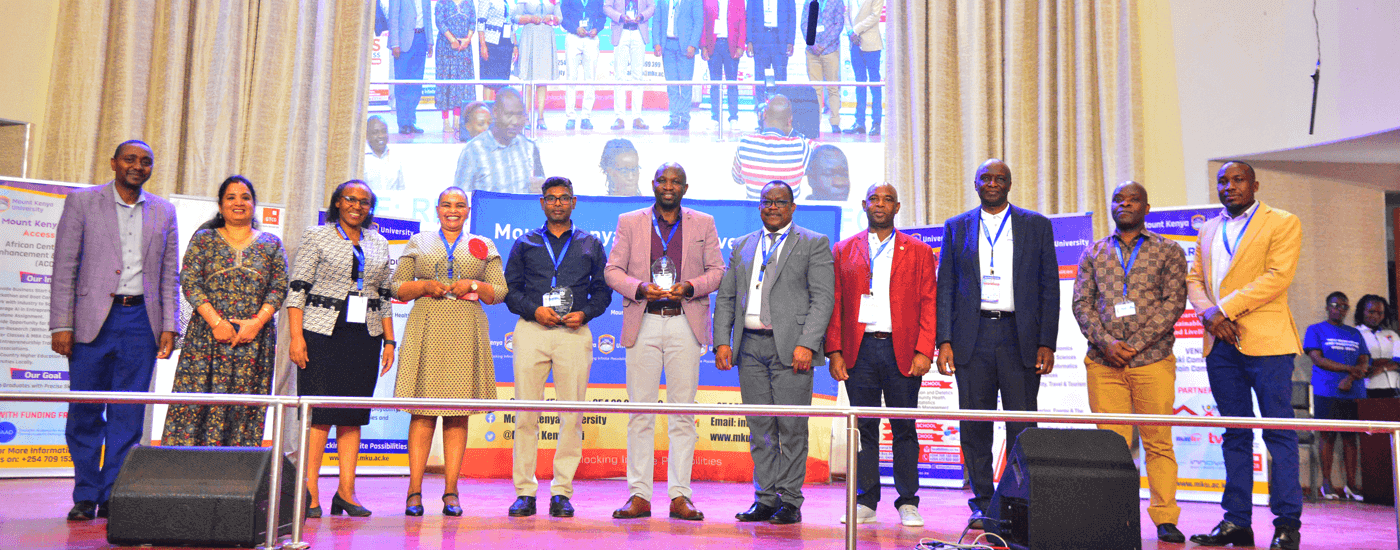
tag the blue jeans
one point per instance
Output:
(121, 358)
(677, 67)
(867, 68)
(724, 67)
(409, 66)
(767, 54)
(1232, 377)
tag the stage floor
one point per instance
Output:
(32, 516)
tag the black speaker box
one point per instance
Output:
(197, 496)
(1068, 489)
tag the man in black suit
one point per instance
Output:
(998, 315)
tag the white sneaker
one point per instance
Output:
(909, 516)
(865, 514)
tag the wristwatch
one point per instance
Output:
(473, 286)
(389, 342)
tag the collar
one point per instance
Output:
(777, 132)
(872, 237)
(1225, 212)
(780, 231)
(1144, 234)
(994, 217)
(656, 214)
(369, 151)
(118, 197)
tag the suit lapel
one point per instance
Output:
(1250, 234)
(680, 239)
(1017, 252)
(107, 217)
(148, 224)
(748, 256)
(1207, 240)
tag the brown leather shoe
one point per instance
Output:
(636, 507)
(638, 124)
(683, 508)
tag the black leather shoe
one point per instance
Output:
(82, 510)
(758, 512)
(570, 125)
(524, 506)
(857, 129)
(1226, 533)
(974, 521)
(414, 510)
(104, 509)
(313, 513)
(786, 514)
(874, 129)
(448, 509)
(1285, 538)
(559, 507)
(339, 505)
(835, 129)
(585, 124)
(1167, 532)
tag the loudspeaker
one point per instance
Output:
(1068, 489)
(197, 496)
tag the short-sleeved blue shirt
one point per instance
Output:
(1342, 344)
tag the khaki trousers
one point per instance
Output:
(827, 67)
(1148, 389)
(569, 353)
(663, 344)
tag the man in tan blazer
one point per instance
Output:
(665, 327)
(1245, 260)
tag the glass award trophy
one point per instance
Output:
(663, 273)
(560, 299)
(442, 273)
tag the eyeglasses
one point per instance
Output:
(769, 203)
(632, 170)
(557, 199)
(352, 201)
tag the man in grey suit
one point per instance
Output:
(112, 314)
(676, 38)
(776, 335)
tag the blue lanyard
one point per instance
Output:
(1128, 265)
(556, 259)
(359, 258)
(991, 252)
(1239, 236)
(451, 253)
(665, 241)
(768, 252)
(872, 262)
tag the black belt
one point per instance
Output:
(998, 314)
(125, 300)
(665, 311)
(879, 335)
(759, 331)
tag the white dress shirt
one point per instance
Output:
(878, 314)
(1221, 260)
(753, 310)
(996, 259)
(130, 218)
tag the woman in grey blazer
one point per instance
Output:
(339, 313)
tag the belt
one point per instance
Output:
(418, 30)
(665, 311)
(879, 335)
(125, 300)
(998, 314)
(759, 331)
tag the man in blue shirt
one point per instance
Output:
(1341, 362)
(556, 268)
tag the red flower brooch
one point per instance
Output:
(478, 248)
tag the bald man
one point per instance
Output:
(777, 153)
(880, 342)
(1129, 293)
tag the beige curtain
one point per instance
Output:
(1051, 87)
(271, 89)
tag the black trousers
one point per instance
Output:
(994, 368)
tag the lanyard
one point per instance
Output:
(1128, 265)
(451, 253)
(665, 241)
(991, 252)
(872, 262)
(1228, 249)
(359, 258)
(552, 257)
(767, 252)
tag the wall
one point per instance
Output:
(30, 27)
(1243, 76)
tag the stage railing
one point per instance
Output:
(305, 404)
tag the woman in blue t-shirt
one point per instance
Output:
(1341, 363)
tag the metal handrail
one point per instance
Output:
(627, 83)
(306, 403)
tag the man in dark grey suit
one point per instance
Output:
(776, 336)
(998, 316)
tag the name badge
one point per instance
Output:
(553, 299)
(1124, 308)
(991, 289)
(355, 307)
(867, 309)
(821, 28)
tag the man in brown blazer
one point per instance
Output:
(1245, 260)
(665, 327)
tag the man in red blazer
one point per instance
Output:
(881, 340)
